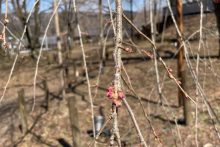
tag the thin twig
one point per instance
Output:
(139, 99)
(85, 67)
(157, 56)
(197, 69)
(135, 122)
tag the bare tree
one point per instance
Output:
(32, 35)
(59, 47)
(69, 21)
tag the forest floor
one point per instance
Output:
(52, 127)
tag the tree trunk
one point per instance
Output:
(180, 62)
(145, 13)
(102, 50)
(183, 101)
(217, 14)
(59, 47)
(21, 11)
(131, 13)
(155, 19)
(37, 25)
(173, 3)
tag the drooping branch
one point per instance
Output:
(85, 67)
(117, 78)
(118, 43)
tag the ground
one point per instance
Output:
(52, 127)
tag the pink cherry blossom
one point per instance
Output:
(110, 91)
(121, 95)
(115, 97)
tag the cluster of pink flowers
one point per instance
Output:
(115, 96)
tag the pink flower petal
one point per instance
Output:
(121, 95)
(109, 92)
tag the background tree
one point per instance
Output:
(101, 33)
(32, 35)
(59, 48)
(217, 14)
(181, 66)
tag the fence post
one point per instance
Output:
(74, 121)
(22, 111)
(47, 95)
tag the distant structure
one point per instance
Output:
(191, 7)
